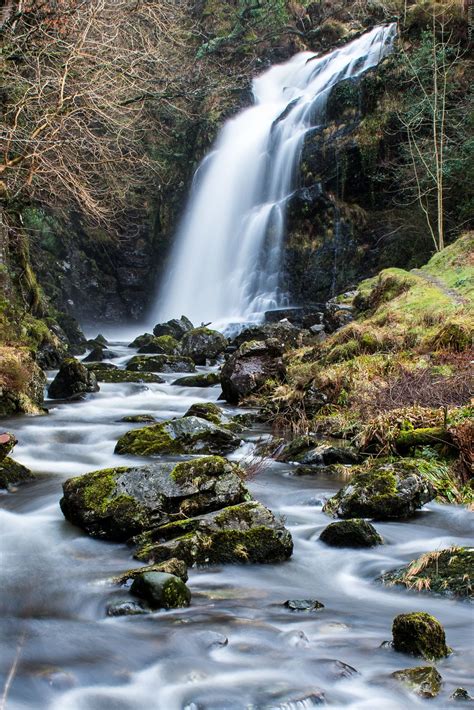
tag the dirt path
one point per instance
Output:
(439, 284)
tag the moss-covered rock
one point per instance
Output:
(449, 572)
(249, 368)
(351, 533)
(164, 344)
(202, 344)
(115, 376)
(12, 472)
(72, 380)
(141, 340)
(384, 491)
(245, 533)
(118, 503)
(172, 566)
(160, 363)
(176, 328)
(139, 419)
(161, 590)
(205, 380)
(419, 634)
(309, 451)
(189, 435)
(424, 681)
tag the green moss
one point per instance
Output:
(117, 376)
(424, 681)
(202, 467)
(411, 438)
(169, 344)
(419, 634)
(98, 488)
(447, 572)
(148, 441)
(206, 410)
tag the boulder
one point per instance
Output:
(189, 435)
(101, 339)
(424, 681)
(449, 572)
(172, 566)
(351, 533)
(7, 444)
(419, 634)
(176, 328)
(202, 344)
(161, 590)
(165, 345)
(98, 354)
(309, 452)
(12, 473)
(138, 419)
(118, 503)
(141, 340)
(160, 363)
(461, 695)
(208, 379)
(249, 368)
(245, 533)
(385, 491)
(287, 336)
(114, 375)
(73, 379)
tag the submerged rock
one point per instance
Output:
(461, 695)
(115, 375)
(205, 380)
(249, 368)
(245, 533)
(118, 503)
(139, 419)
(161, 590)
(424, 681)
(202, 344)
(351, 533)
(72, 379)
(449, 572)
(419, 634)
(385, 491)
(303, 605)
(189, 435)
(160, 363)
(126, 607)
(173, 566)
(176, 328)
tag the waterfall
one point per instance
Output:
(226, 261)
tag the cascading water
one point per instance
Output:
(226, 263)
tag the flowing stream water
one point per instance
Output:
(236, 647)
(225, 266)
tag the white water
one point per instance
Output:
(226, 263)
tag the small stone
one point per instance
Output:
(419, 634)
(205, 380)
(125, 608)
(424, 681)
(351, 533)
(161, 590)
(303, 605)
(461, 695)
(139, 419)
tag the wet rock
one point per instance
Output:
(115, 375)
(245, 533)
(12, 473)
(7, 444)
(49, 356)
(118, 503)
(249, 368)
(176, 328)
(383, 492)
(202, 344)
(101, 339)
(211, 639)
(424, 681)
(141, 340)
(283, 700)
(172, 566)
(205, 380)
(449, 572)
(72, 379)
(461, 695)
(160, 363)
(303, 605)
(21, 383)
(127, 607)
(308, 451)
(99, 366)
(209, 411)
(284, 333)
(139, 419)
(419, 634)
(99, 354)
(351, 533)
(161, 590)
(165, 345)
(189, 435)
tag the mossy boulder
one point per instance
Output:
(119, 503)
(207, 410)
(160, 363)
(165, 345)
(385, 491)
(202, 344)
(308, 451)
(249, 368)
(99, 353)
(72, 380)
(141, 340)
(12, 473)
(449, 572)
(419, 634)
(176, 328)
(139, 419)
(189, 435)
(161, 590)
(116, 376)
(283, 332)
(203, 380)
(172, 566)
(351, 533)
(245, 533)
(424, 681)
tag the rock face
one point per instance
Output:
(160, 363)
(205, 380)
(351, 533)
(202, 344)
(424, 681)
(245, 533)
(386, 491)
(176, 328)
(449, 572)
(247, 370)
(189, 435)
(161, 590)
(72, 379)
(419, 634)
(118, 503)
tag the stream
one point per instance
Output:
(236, 647)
